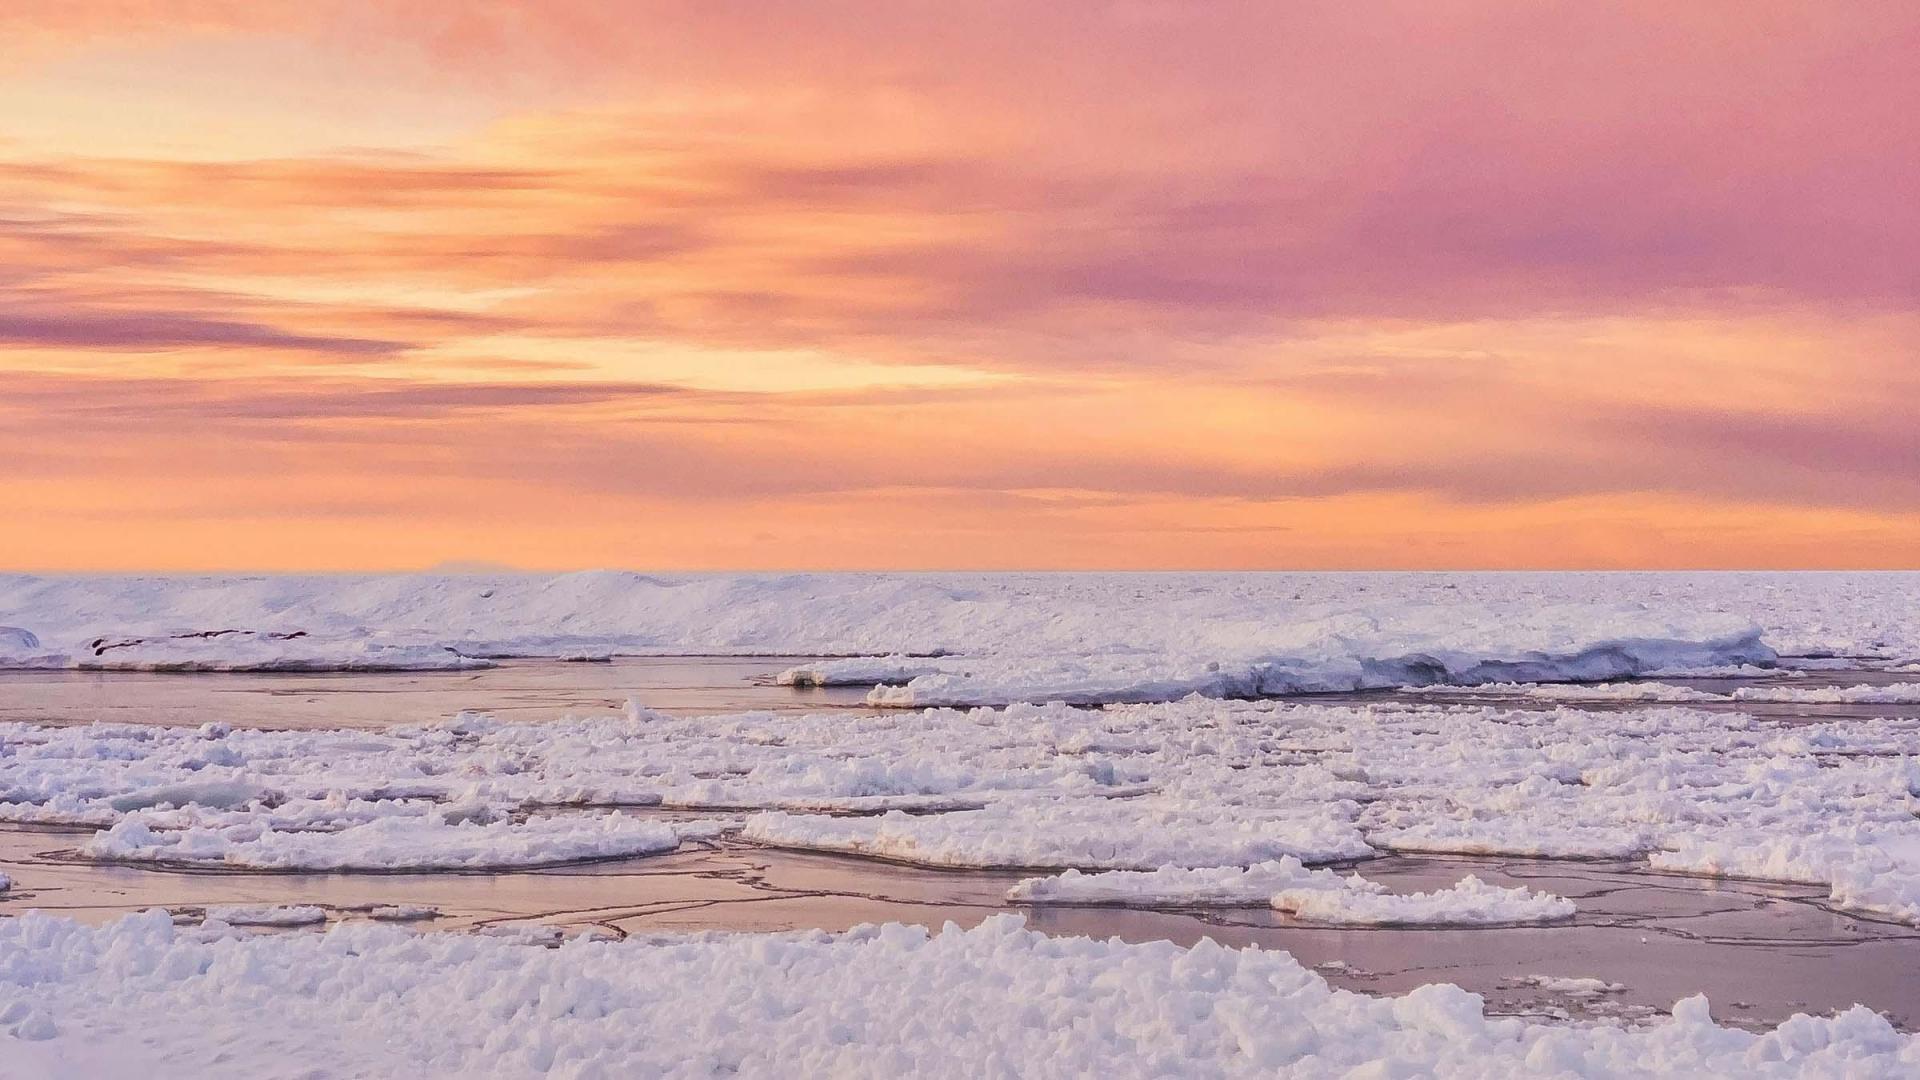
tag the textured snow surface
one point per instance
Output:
(1893, 694)
(1470, 902)
(1286, 884)
(277, 915)
(143, 997)
(1105, 832)
(965, 639)
(1191, 783)
(424, 842)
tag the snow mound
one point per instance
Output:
(1122, 833)
(282, 915)
(427, 842)
(998, 638)
(1870, 869)
(1288, 885)
(857, 671)
(142, 997)
(1655, 692)
(1469, 902)
(1341, 666)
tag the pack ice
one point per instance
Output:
(970, 639)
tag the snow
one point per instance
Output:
(1893, 694)
(142, 996)
(965, 639)
(403, 913)
(1469, 902)
(1287, 885)
(1088, 833)
(1905, 693)
(1574, 987)
(857, 671)
(425, 842)
(1870, 869)
(282, 915)
(1336, 666)
(1191, 783)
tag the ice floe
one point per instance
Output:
(277, 915)
(1191, 783)
(424, 842)
(1288, 885)
(968, 639)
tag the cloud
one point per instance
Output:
(1448, 258)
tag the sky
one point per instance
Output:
(339, 285)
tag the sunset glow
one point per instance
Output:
(336, 285)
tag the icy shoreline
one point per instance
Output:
(1191, 784)
(973, 639)
(361, 999)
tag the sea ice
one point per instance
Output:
(1287, 885)
(140, 996)
(283, 915)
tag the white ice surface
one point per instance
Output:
(143, 997)
(1076, 637)
(1194, 783)
(1468, 902)
(276, 915)
(1093, 833)
(1286, 884)
(1657, 692)
(423, 842)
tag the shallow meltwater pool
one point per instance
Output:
(1641, 939)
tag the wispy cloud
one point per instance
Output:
(1324, 275)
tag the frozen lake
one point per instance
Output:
(1577, 824)
(1762, 950)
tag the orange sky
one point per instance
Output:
(334, 285)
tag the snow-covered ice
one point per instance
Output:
(274, 915)
(985, 638)
(1079, 833)
(1173, 792)
(1191, 783)
(1288, 885)
(1863, 694)
(423, 842)
(143, 996)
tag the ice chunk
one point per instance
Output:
(284, 915)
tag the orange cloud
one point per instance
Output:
(1100, 284)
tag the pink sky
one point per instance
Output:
(336, 285)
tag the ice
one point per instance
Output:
(1195, 783)
(1613, 691)
(1531, 836)
(140, 996)
(1891, 694)
(1178, 886)
(966, 639)
(283, 915)
(1339, 665)
(1288, 885)
(1470, 902)
(1871, 869)
(403, 913)
(258, 652)
(420, 843)
(1895, 694)
(1104, 833)
(857, 671)
(1574, 987)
